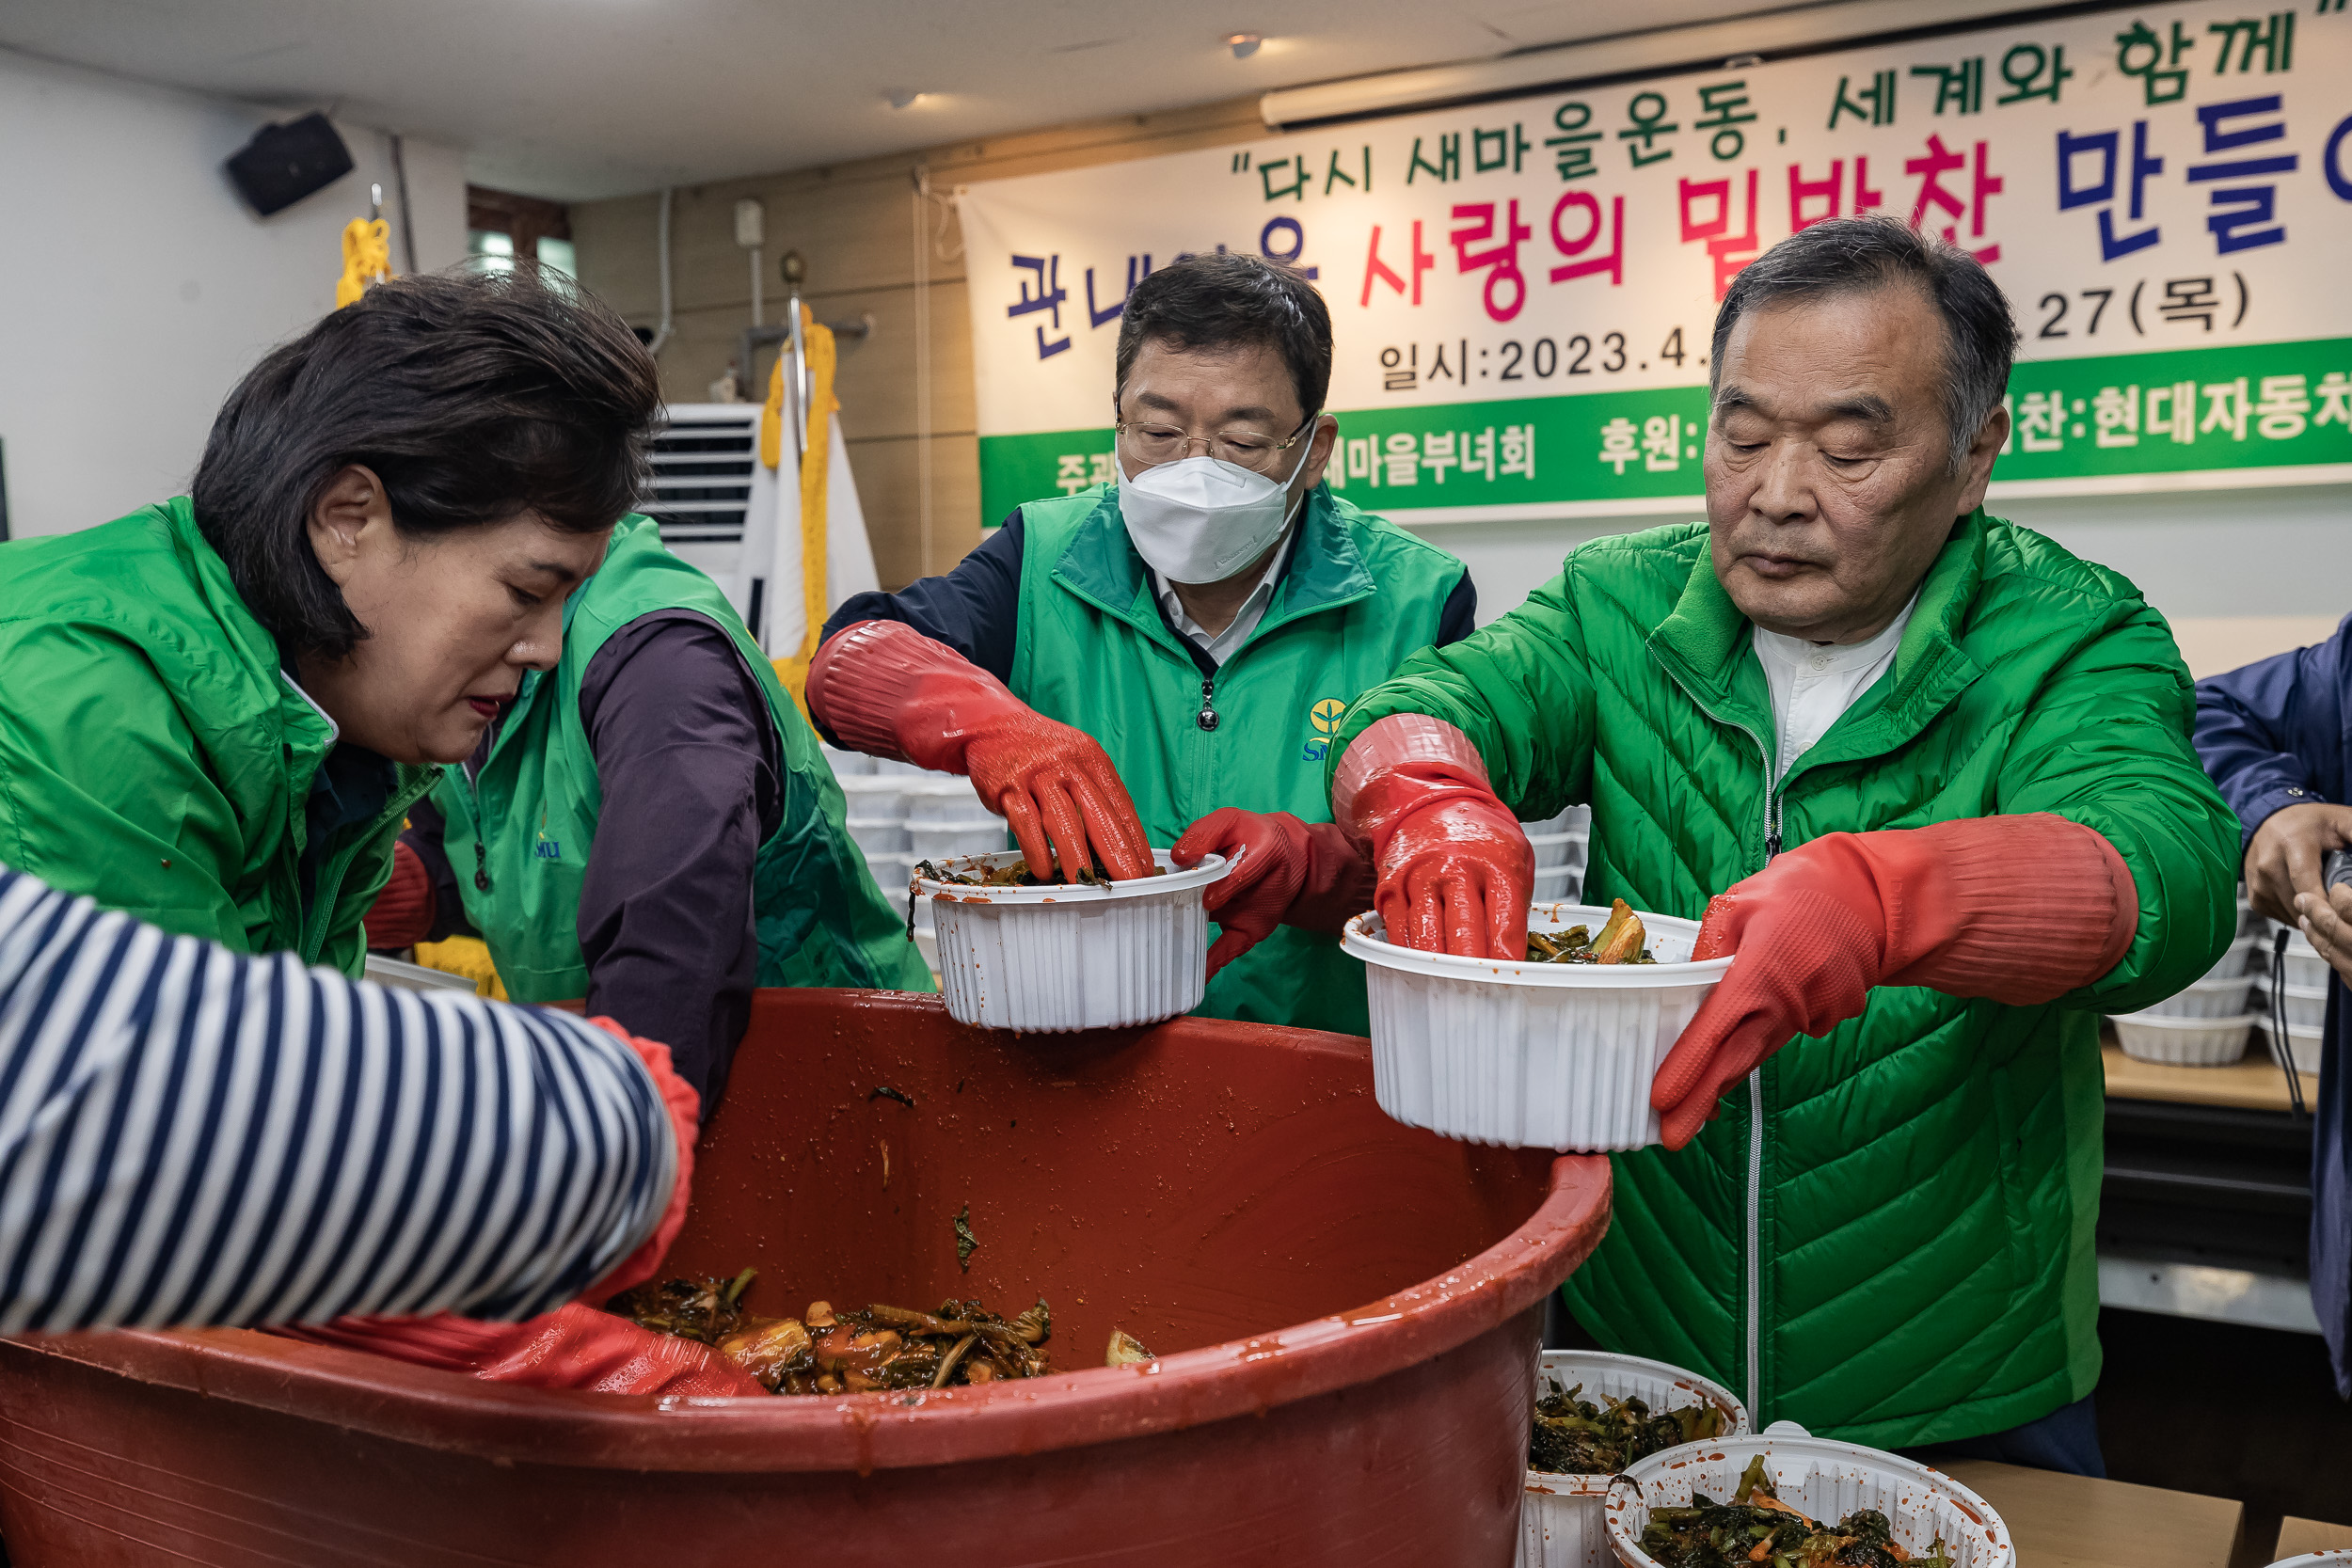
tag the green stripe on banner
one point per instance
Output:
(2249, 405)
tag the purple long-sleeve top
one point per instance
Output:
(688, 763)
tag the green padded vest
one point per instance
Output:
(527, 820)
(1360, 594)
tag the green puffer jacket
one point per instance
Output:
(1899, 1249)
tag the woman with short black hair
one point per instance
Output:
(218, 709)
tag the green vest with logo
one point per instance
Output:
(527, 819)
(1359, 595)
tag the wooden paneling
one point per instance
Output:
(876, 377)
(2060, 1521)
(886, 469)
(2254, 1083)
(2300, 1537)
(854, 225)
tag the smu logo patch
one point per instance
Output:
(548, 849)
(1325, 715)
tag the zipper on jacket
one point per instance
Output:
(1208, 703)
(1755, 1282)
(1774, 800)
(330, 884)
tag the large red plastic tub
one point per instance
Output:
(1345, 1310)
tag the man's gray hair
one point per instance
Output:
(1854, 255)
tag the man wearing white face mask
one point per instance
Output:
(1190, 634)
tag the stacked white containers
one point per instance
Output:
(2208, 1023)
(945, 817)
(1564, 1522)
(1563, 846)
(2303, 998)
(899, 814)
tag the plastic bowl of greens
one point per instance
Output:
(1048, 958)
(1807, 1502)
(1596, 1413)
(1556, 1052)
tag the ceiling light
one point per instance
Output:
(1242, 44)
(900, 97)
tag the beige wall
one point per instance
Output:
(2241, 573)
(854, 225)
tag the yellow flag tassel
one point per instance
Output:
(467, 958)
(815, 469)
(367, 258)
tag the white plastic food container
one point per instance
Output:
(2222, 998)
(2316, 1559)
(2306, 1006)
(937, 841)
(1823, 1479)
(878, 836)
(1558, 884)
(1527, 1054)
(846, 764)
(2303, 1045)
(945, 798)
(1050, 959)
(1559, 849)
(1563, 1523)
(2237, 960)
(2305, 967)
(874, 796)
(2183, 1041)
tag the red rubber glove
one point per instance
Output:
(1456, 872)
(1285, 872)
(574, 1346)
(885, 688)
(2020, 909)
(402, 913)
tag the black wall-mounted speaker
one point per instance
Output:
(282, 164)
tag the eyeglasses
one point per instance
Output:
(1151, 443)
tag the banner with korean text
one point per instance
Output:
(1522, 291)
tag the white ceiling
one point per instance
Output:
(579, 99)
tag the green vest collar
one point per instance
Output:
(1325, 569)
(1705, 641)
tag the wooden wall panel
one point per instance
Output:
(854, 224)
(886, 469)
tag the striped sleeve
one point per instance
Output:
(190, 1138)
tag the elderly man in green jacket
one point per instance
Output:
(1944, 770)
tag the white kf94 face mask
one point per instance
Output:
(1203, 519)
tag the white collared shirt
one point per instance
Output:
(1815, 683)
(1220, 646)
